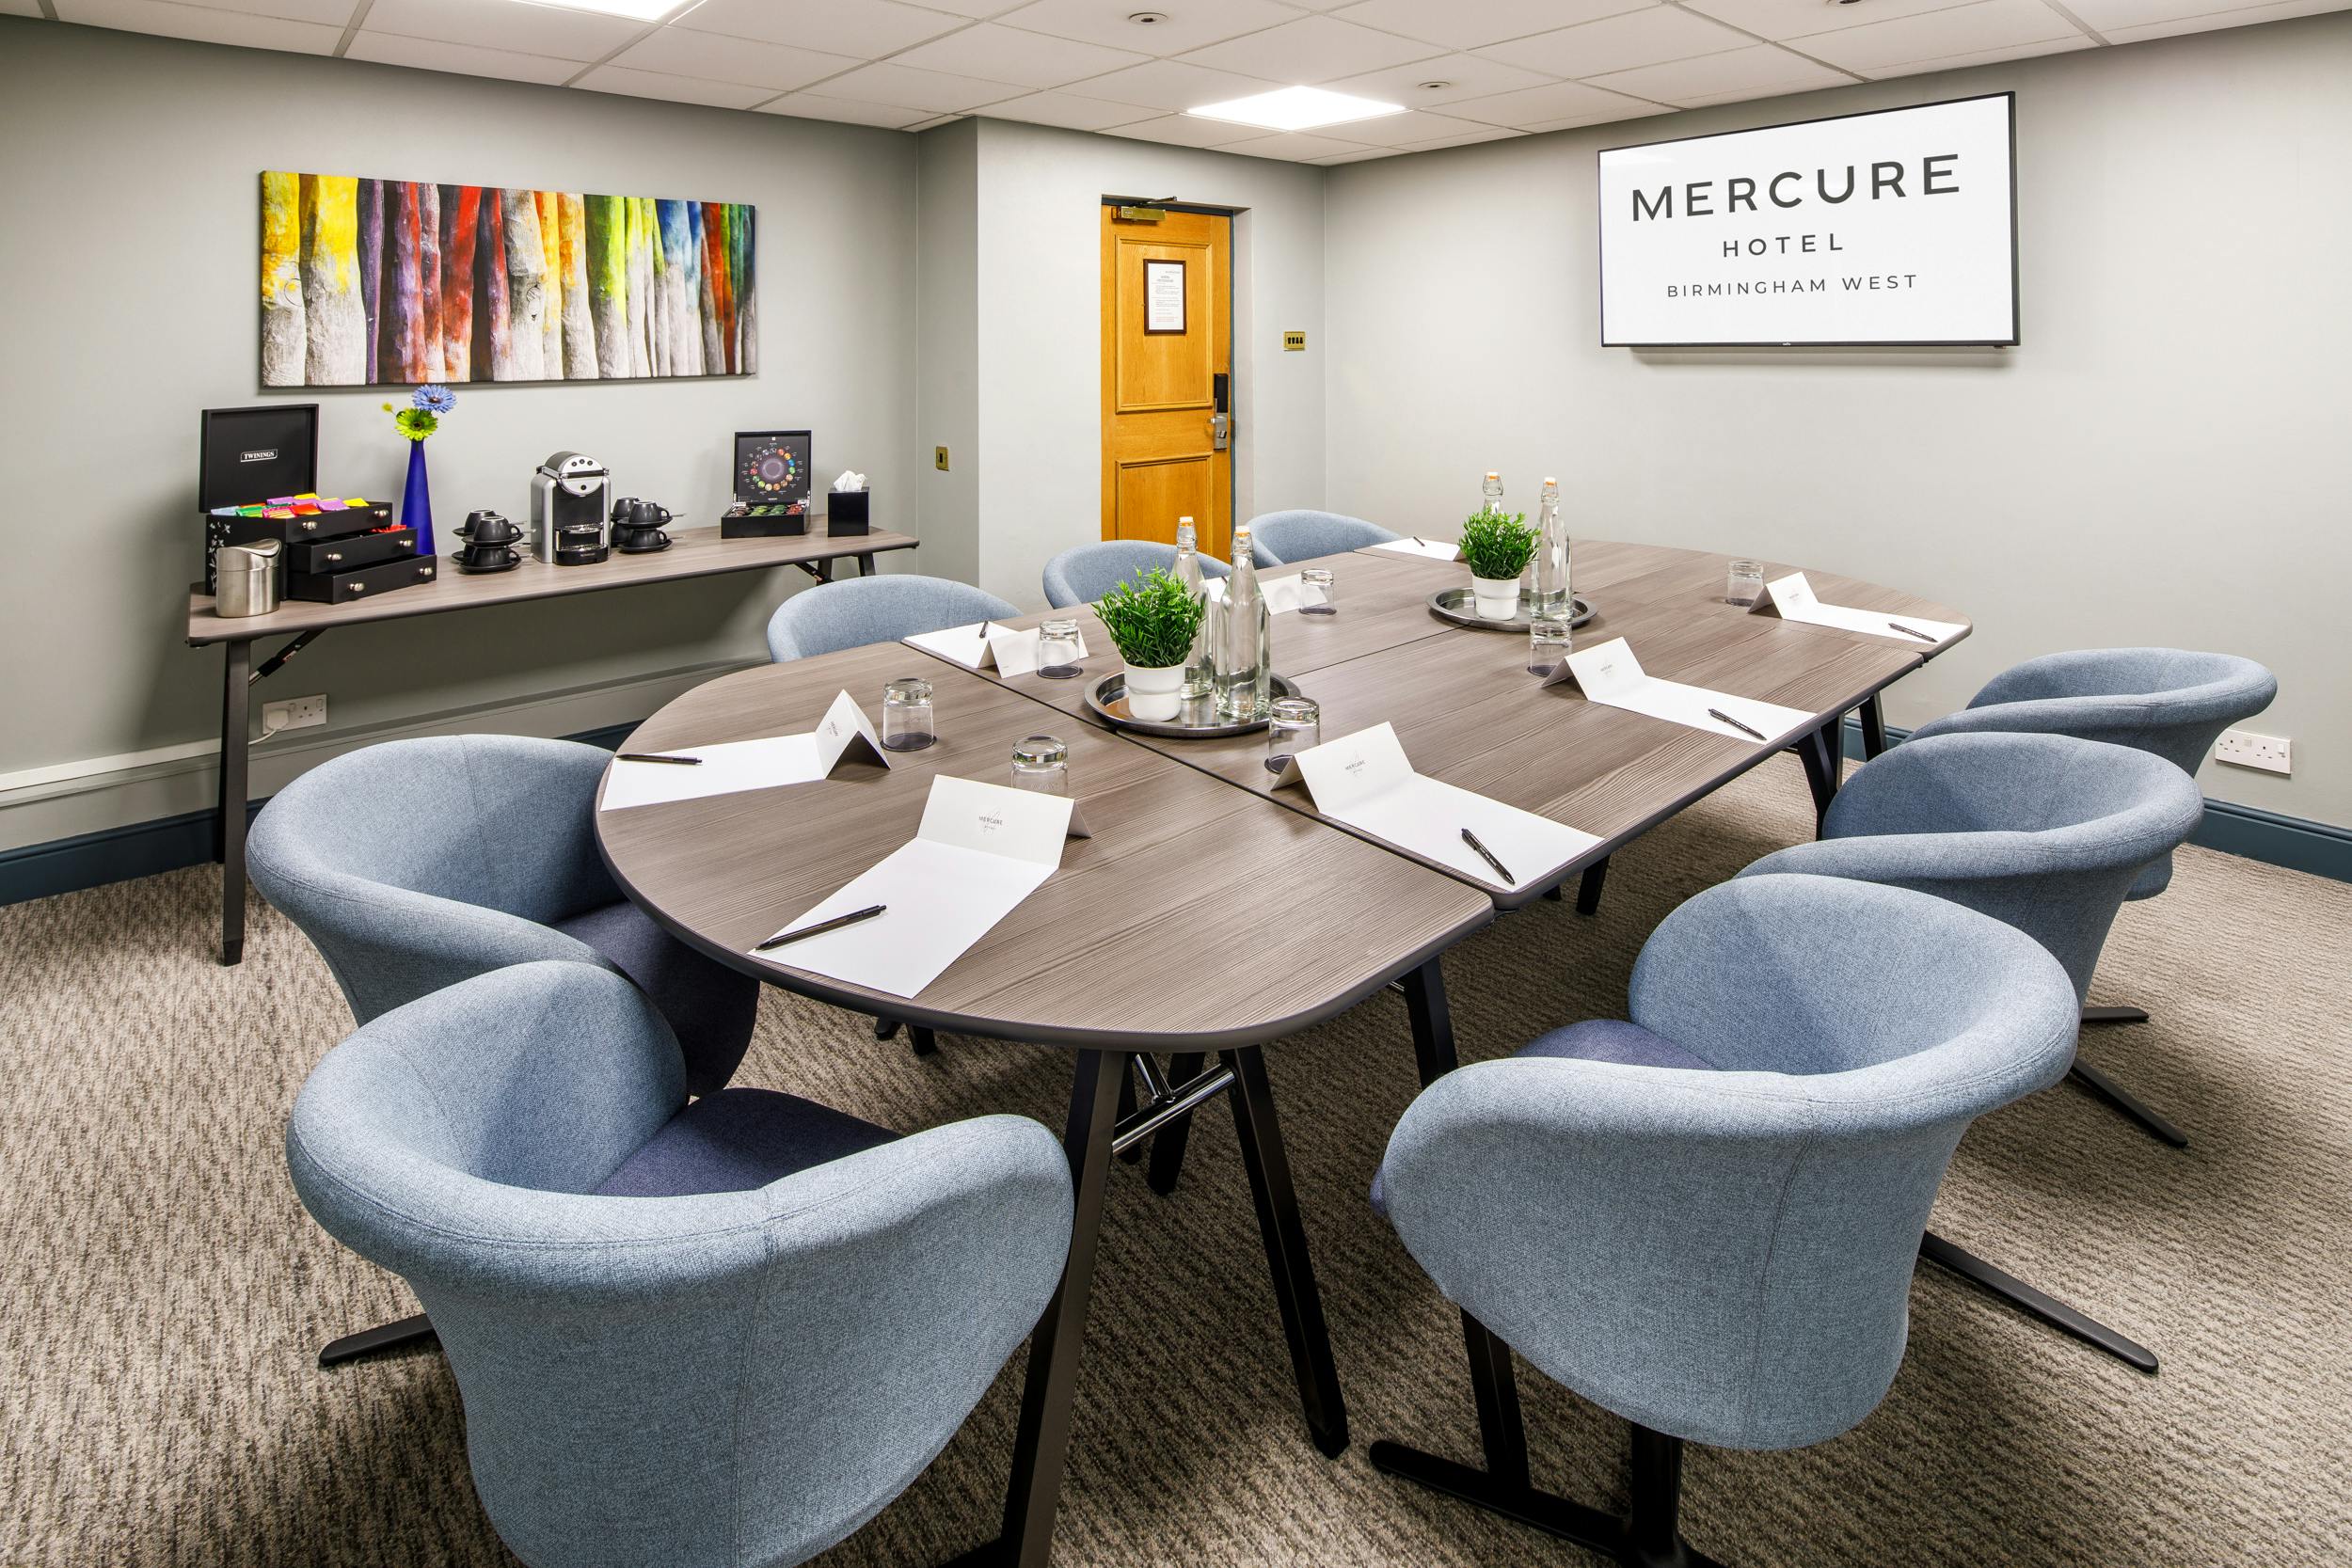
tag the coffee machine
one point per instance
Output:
(571, 495)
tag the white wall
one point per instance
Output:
(1041, 387)
(947, 350)
(127, 263)
(2164, 460)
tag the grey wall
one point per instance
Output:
(947, 350)
(128, 265)
(2162, 461)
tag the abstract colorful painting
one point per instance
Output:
(395, 282)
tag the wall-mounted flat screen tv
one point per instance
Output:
(1894, 226)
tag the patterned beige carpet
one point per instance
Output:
(163, 1295)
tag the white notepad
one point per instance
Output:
(1794, 599)
(999, 648)
(1430, 549)
(735, 766)
(1609, 673)
(982, 849)
(1365, 781)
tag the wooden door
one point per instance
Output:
(1166, 351)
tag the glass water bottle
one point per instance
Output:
(1548, 593)
(1242, 659)
(1198, 663)
(1492, 490)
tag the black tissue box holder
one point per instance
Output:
(847, 512)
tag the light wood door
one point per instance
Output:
(1162, 368)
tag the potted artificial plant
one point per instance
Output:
(1497, 547)
(1154, 620)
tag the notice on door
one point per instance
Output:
(1164, 296)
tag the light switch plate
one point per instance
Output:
(1293, 342)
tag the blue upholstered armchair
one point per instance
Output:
(1084, 573)
(1301, 536)
(722, 1333)
(1706, 1220)
(857, 611)
(414, 864)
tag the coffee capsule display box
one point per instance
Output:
(769, 482)
(257, 478)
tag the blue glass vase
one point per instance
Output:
(416, 501)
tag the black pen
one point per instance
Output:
(1719, 713)
(1488, 855)
(1911, 631)
(821, 926)
(983, 631)
(656, 756)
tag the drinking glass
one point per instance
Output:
(1296, 725)
(1041, 763)
(1316, 594)
(906, 725)
(1058, 653)
(1744, 584)
(1549, 640)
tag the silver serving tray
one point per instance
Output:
(1459, 605)
(1196, 721)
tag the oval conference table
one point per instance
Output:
(1279, 917)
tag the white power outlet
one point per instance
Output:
(2244, 749)
(294, 713)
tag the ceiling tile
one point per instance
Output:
(21, 8)
(1465, 75)
(1293, 146)
(808, 105)
(1581, 121)
(331, 13)
(866, 28)
(1190, 25)
(204, 25)
(745, 61)
(1069, 111)
(1173, 85)
(1562, 101)
(671, 89)
(1472, 23)
(1408, 130)
(1477, 134)
(2225, 19)
(1933, 34)
(1641, 38)
(1989, 57)
(1789, 19)
(1310, 50)
(465, 59)
(974, 8)
(1186, 131)
(524, 29)
(1355, 157)
(936, 120)
(908, 87)
(998, 53)
(1759, 71)
(2111, 15)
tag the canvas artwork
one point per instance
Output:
(398, 282)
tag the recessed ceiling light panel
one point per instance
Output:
(1296, 109)
(636, 10)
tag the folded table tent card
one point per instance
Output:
(1429, 549)
(1792, 599)
(1610, 674)
(981, 850)
(1281, 594)
(1365, 781)
(985, 645)
(735, 766)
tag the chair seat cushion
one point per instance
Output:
(1610, 1039)
(738, 1140)
(709, 1007)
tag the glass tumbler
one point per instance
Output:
(1041, 763)
(907, 724)
(1058, 653)
(1318, 594)
(1294, 724)
(1744, 583)
(1550, 640)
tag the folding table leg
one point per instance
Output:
(1168, 1144)
(1873, 720)
(236, 681)
(1432, 1022)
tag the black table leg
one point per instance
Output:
(1168, 1144)
(1873, 719)
(1820, 766)
(1432, 1022)
(865, 564)
(1042, 1444)
(1285, 1237)
(1588, 886)
(235, 683)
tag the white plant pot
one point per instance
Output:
(1498, 597)
(1155, 696)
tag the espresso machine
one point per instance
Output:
(571, 500)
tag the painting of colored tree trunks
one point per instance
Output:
(398, 282)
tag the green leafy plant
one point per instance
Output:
(1153, 619)
(1497, 544)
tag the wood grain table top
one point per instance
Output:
(694, 552)
(1197, 915)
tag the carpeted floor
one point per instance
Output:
(164, 1293)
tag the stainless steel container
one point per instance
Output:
(248, 580)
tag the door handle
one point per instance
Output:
(1222, 423)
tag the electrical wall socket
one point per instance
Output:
(294, 713)
(2244, 749)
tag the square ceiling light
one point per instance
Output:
(635, 11)
(1296, 109)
